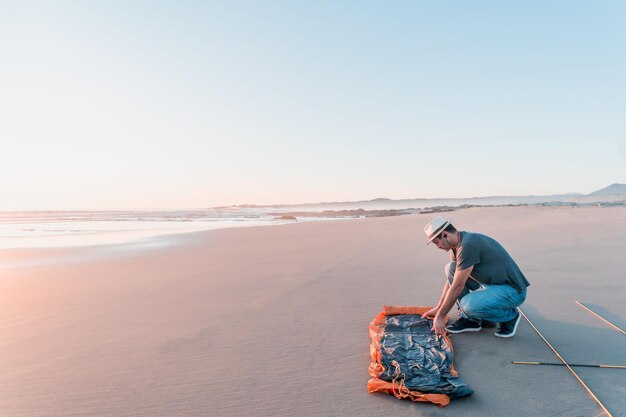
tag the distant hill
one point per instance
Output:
(611, 189)
(611, 194)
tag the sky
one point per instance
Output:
(189, 104)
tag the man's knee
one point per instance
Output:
(471, 306)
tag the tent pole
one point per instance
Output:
(567, 365)
(600, 317)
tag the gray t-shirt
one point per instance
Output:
(492, 263)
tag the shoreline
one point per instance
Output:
(20, 257)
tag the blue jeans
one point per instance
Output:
(479, 302)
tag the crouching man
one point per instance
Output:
(482, 279)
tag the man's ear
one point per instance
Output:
(444, 235)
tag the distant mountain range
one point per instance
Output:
(611, 189)
(612, 193)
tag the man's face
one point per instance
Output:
(441, 242)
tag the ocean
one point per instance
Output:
(54, 229)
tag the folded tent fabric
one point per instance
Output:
(409, 361)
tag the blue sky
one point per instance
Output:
(194, 104)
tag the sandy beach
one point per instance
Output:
(272, 321)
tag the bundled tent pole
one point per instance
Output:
(608, 413)
(571, 364)
(600, 317)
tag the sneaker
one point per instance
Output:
(508, 328)
(463, 325)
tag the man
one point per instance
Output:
(482, 279)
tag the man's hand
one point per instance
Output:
(430, 314)
(439, 325)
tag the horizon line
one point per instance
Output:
(251, 205)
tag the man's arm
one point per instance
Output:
(455, 289)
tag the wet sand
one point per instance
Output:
(268, 321)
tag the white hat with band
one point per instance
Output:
(435, 227)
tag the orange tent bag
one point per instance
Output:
(409, 361)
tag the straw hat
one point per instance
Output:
(435, 227)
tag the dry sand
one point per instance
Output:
(272, 321)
